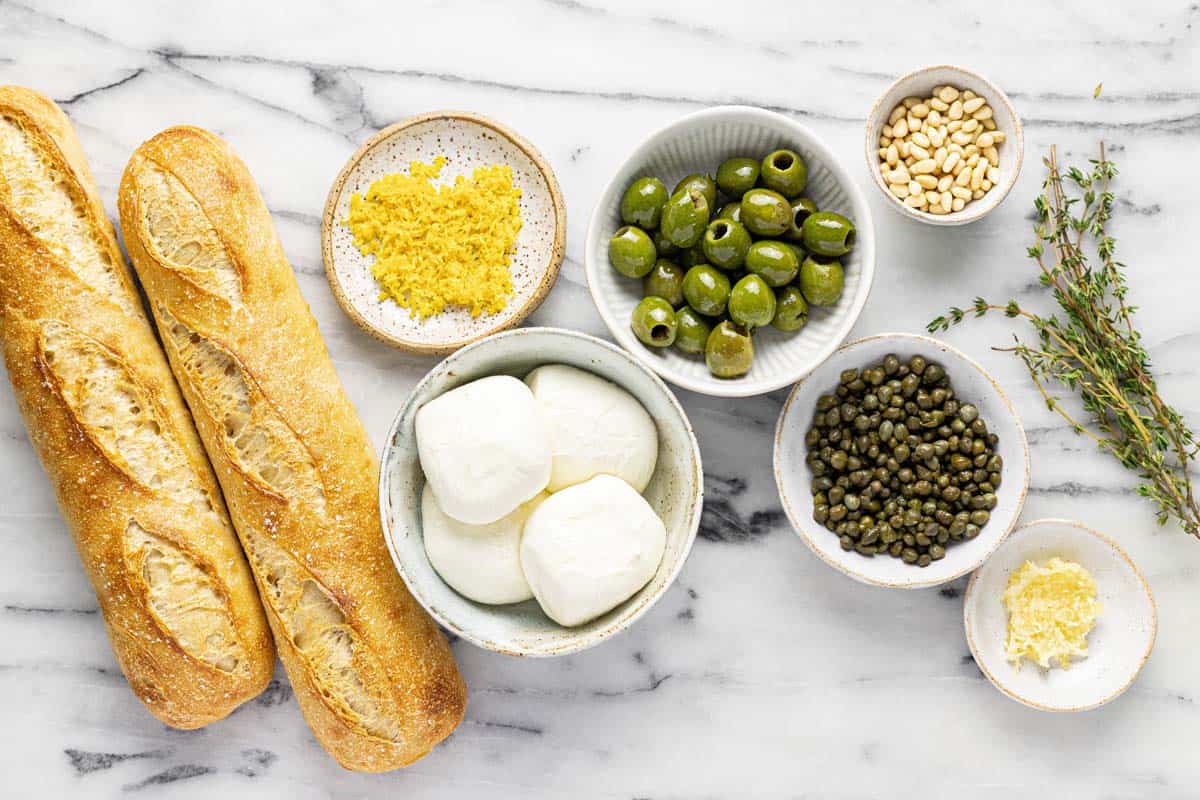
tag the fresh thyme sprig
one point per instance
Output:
(1093, 348)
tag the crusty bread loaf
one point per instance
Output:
(106, 418)
(374, 676)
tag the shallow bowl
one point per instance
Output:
(971, 384)
(699, 142)
(676, 491)
(468, 141)
(1119, 645)
(919, 83)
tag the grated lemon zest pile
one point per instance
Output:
(440, 245)
(1051, 609)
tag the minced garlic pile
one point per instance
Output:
(438, 246)
(1051, 609)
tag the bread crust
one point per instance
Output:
(292, 456)
(43, 303)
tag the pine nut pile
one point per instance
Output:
(940, 153)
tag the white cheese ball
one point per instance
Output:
(595, 427)
(484, 449)
(589, 548)
(480, 562)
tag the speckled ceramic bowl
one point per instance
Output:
(971, 384)
(676, 491)
(468, 141)
(699, 142)
(1119, 645)
(919, 83)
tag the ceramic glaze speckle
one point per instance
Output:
(675, 491)
(467, 142)
(1117, 647)
(699, 143)
(971, 385)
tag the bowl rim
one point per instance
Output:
(800, 527)
(579, 642)
(739, 387)
(874, 124)
(1120, 555)
(549, 274)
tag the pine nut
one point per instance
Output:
(934, 118)
(968, 95)
(960, 138)
(998, 136)
(993, 175)
(891, 155)
(924, 167)
(953, 126)
(986, 185)
(896, 115)
(983, 113)
(985, 140)
(900, 129)
(926, 181)
(970, 126)
(973, 105)
(956, 110)
(978, 193)
(972, 160)
(948, 94)
(989, 124)
(958, 204)
(933, 198)
(947, 201)
(977, 175)
(921, 139)
(959, 167)
(971, 149)
(992, 155)
(914, 200)
(945, 183)
(963, 178)
(900, 173)
(936, 209)
(910, 101)
(937, 104)
(904, 149)
(920, 152)
(936, 137)
(915, 188)
(960, 192)
(920, 111)
(951, 160)
(899, 189)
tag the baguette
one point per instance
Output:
(112, 431)
(374, 676)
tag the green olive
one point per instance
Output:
(791, 312)
(685, 216)
(631, 252)
(736, 176)
(706, 290)
(691, 331)
(785, 172)
(765, 212)
(662, 245)
(828, 234)
(795, 248)
(802, 209)
(642, 203)
(654, 322)
(665, 280)
(726, 243)
(774, 262)
(729, 350)
(752, 302)
(701, 183)
(821, 281)
(731, 211)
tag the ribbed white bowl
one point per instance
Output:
(699, 142)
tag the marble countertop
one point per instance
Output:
(762, 673)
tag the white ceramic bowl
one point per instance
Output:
(468, 141)
(676, 491)
(1118, 646)
(699, 142)
(918, 83)
(971, 384)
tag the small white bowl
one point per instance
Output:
(971, 384)
(676, 492)
(468, 141)
(699, 142)
(1118, 646)
(918, 83)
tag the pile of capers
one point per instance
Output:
(711, 277)
(900, 466)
